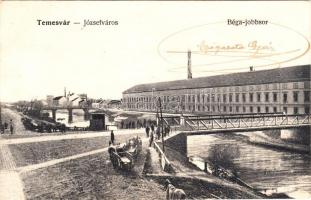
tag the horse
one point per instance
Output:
(172, 192)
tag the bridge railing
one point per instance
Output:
(246, 121)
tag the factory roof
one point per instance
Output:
(277, 75)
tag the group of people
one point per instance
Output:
(5, 126)
(153, 132)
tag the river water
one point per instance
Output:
(268, 170)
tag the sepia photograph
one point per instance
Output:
(155, 100)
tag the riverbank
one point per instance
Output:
(259, 138)
(196, 183)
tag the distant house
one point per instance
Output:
(60, 101)
(49, 100)
(114, 104)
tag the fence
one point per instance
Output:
(165, 163)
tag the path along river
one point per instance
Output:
(268, 170)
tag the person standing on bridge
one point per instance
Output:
(112, 137)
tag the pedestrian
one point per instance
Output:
(168, 130)
(5, 125)
(112, 137)
(11, 127)
(2, 128)
(151, 139)
(152, 128)
(158, 132)
(147, 131)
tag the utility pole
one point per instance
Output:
(189, 65)
(161, 122)
(0, 115)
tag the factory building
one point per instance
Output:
(266, 91)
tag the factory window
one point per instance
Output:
(284, 85)
(275, 97)
(237, 97)
(198, 98)
(199, 107)
(244, 109)
(285, 110)
(207, 108)
(213, 108)
(258, 87)
(258, 97)
(284, 97)
(275, 86)
(306, 96)
(258, 109)
(218, 97)
(225, 108)
(267, 109)
(230, 109)
(267, 87)
(224, 97)
(251, 97)
(208, 98)
(193, 98)
(275, 110)
(251, 109)
(230, 97)
(295, 85)
(244, 97)
(237, 88)
(267, 97)
(213, 97)
(295, 95)
(237, 109)
(251, 87)
(306, 84)
(189, 98)
(295, 110)
(307, 110)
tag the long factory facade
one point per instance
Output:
(266, 91)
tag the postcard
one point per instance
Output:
(155, 99)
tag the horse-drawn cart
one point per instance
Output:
(123, 156)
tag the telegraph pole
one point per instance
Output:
(161, 117)
(0, 115)
(189, 65)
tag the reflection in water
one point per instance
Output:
(265, 169)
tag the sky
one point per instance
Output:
(149, 44)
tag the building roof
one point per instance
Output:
(58, 97)
(114, 102)
(288, 74)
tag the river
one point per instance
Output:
(268, 170)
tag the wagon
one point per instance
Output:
(123, 156)
(120, 158)
(134, 146)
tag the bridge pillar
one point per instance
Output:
(178, 142)
(69, 115)
(86, 114)
(54, 114)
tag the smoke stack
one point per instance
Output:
(189, 65)
(65, 92)
(251, 68)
